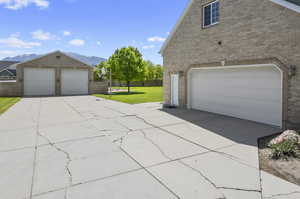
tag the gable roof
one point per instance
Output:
(6, 64)
(285, 3)
(55, 52)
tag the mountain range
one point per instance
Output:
(91, 60)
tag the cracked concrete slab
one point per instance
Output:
(133, 123)
(16, 170)
(226, 172)
(277, 188)
(50, 171)
(49, 109)
(159, 118)
(71, 131)
(137, 184)
(51, 195)
(244, 153)
(199, 135)
(96, 158)
(186, 182)
(153, 146)
(13, 140)
(237, 194)
(89, 147)
(108, 124)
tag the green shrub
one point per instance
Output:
(284, 150)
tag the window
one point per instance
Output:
(211, 14)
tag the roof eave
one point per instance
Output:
(288, 5)
(57, 51)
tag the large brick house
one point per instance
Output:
(237, 57)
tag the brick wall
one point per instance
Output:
(248, 30)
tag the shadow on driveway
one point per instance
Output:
(237, 130)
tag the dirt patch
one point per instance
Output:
(287, 169)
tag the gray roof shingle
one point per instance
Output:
(5, 64)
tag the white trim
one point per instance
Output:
(172, 89)
(230, 67)
(203, 14)
(288, 5)
(176, 26)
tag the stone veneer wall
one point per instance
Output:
(248, 30)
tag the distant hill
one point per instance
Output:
(92, 60)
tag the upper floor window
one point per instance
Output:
(211, 14)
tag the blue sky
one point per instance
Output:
(88, 27)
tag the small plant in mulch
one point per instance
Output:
(285, 145)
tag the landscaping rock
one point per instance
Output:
(289, 135)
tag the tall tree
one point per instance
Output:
(101, 71)
(159, 72)
(127, 64)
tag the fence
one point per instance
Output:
(139, 83)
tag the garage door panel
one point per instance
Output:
(269, 115)
(74, 82)
(248, 93)
(39, 81)
(255, 95)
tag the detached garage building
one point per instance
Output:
(53, 74)
(241, 64)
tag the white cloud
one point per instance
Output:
(18, 4)
(148, 47)
(66, 33)
(7, 52)
(156, 39)
(42, 35)
(17, 34)
(14, 42)
(77, 42)
(98, 43)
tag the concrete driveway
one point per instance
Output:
(89, 148)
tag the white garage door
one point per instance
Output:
(39, 81)
(74, 82)
(251, 93)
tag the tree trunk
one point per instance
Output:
(128, 85)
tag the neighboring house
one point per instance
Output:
(53, 74)
(7, 70)
(236, 57)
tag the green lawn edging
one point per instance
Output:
(7, 102)
(138, 95)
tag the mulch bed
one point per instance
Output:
(287, 169)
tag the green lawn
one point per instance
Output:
(7, 102)
(138, 95)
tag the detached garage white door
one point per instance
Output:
(251, 93)
(39, 81)
(74, 82)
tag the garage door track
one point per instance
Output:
(89, 148)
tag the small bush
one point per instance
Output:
(284, 150)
